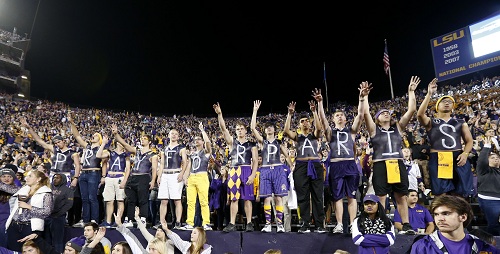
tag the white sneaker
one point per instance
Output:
(127, 223)
(267, 228)
(79, 224)
(206, 227)
(186, 227)
(339, 229)
(143, 220)
(280, 228)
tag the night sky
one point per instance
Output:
(180, 57)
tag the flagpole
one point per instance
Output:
(326, 86)
(390, 83)
(387, 67)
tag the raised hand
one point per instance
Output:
(217, 108)
(432, 88)
(312, 105)
(291, 107)
(316, 94)
(414, 81)
(23, 121)
(105, 139)
(364, 89)
(114, 129)
(256, 105)
(200, 126)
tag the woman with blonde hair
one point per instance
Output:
(196, 245)
(156, 246)
(33, 203)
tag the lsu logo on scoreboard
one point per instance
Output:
(448, 38)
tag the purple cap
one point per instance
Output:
(371, 197)
(380, 112)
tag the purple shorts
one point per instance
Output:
(236, 187)
(273, 179)
(343, 179)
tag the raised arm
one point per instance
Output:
(101, 152)
(78, 167)
(119, 139)
(317, 122)
(424, 120)
(412, 102)
(321, 113)
(370, 124)
(253, 122)
(75, 131)
(35, 136)
(364, 89)
(287, 131)
(206, 139)
(222, 125)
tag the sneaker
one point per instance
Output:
(127, 223)
(143, 220)
(338, 229)
(105, 224)
(157, 226)
(187, 227)
(79, 224)
(114, 225)
(93, 221)
(304, 229)
(249, 227)
(207, 227)
(280, 228)
(320, 230)
(177, 225)
(407, 229)
(229, 228)
(267, 228)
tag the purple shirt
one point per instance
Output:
(419, 216)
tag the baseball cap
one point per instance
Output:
(442, 97)
(8, 171)
(76, 243)
(381, 111)
(371, 197)
(57, 138)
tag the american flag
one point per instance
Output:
(386, 60)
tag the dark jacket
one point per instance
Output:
(63, 197)
(488, 178)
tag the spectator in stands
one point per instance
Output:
(273, 174)
(173, 161)
(244, 163)
(420, 154)
(117, 174)
(142, 178)
(452, 215)
(414, 176)
(134, 242)
(389, 171)
(63, 201)
(92, 174)
(91, 231)
(453, 172)
(372, 230)
(308, 175)
(33, 203)
(197, 182)
(7, 177)
(343, 177)
(420, 218)
(196, 245)
(121, 247)
(488, 182)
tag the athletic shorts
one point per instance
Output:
(379, 179)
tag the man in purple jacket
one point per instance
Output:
(451, 214)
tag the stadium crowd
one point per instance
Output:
(97, 168)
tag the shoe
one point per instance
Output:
(249, 227)
(338, 229)
(105, 224)
(177, 225)
(229, 228)
(93, 221)
(280, 229)
(79, 224)
(207, 227)
(304, 229)
(267, 228)
(320, 230)
(127, 223)
(157, 226)
(407, 229)
(114, 225)
(187, 227)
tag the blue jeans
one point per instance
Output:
(89, 186)
(52, 232)
(491, 210)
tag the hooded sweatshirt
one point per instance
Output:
(62, 196)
